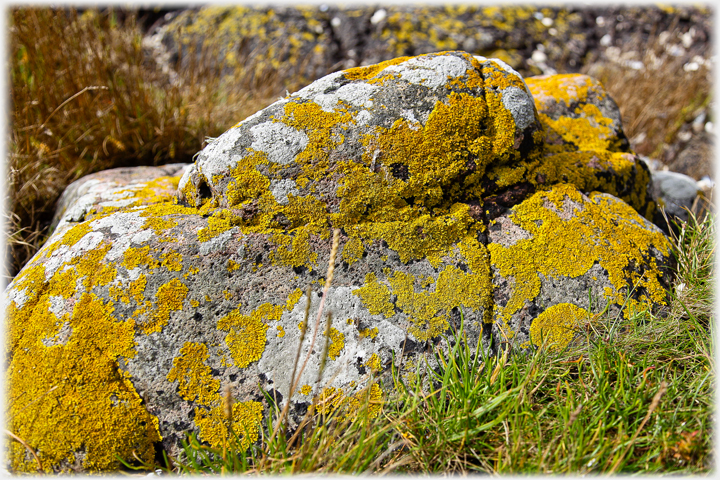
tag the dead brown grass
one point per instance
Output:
(85, 98)
(655, 102)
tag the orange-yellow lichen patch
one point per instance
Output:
(196, 384)
(232, 265)
(306, 390)
(220, 221)
(90, 268)
(602, 171)
(74, 234)
(375, 296)
(588, 132)
(557, 325)
(246, 336)
(293, 299)
(51, 387)
(245, 422)
(611, 234)
(370, 71)
(329, 400)
(466, 127)
(425, 236)
(317, 124)
(373, 363)
(136, 256)
(135, 290)
(370, 398)
(159, 225)
(169, 298)
(337, 343)
(63, 283)
(294, 250)
(429, 310)
(500, 78)
(247, 182)
(172, 261)
(353, 250)
(567, 88)
(369, 332)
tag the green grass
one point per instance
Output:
(629, 395)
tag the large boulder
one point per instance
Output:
(456, 205)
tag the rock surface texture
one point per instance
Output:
(464, 195)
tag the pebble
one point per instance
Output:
(378, 16)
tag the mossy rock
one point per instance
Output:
(454, 210)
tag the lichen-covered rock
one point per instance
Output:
(114, 189)
(407, 134)
(563, 250)
(454, 210)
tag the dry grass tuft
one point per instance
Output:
(85, 98)
(657, 100)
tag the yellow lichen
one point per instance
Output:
(370, 71)
(369, 332)
(172, 261)
(169, 298)
(353, 250)
(568, 235)
(75, 234)
(246, 421)
(336, 344)
(196, 384)
(246, 337)
(429, 311)
(375, 296)
(50, 388)
(373, 363)
(557, 325)
(136, 256)
(293, 299)
(220, 221)
(294, 250)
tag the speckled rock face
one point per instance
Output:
(126, 327)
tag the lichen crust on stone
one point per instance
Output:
(459, 199)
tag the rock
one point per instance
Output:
(584, 141)
(273, 49)
(457, 207)
(675, 193)
(369, 142)
(114, 189)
